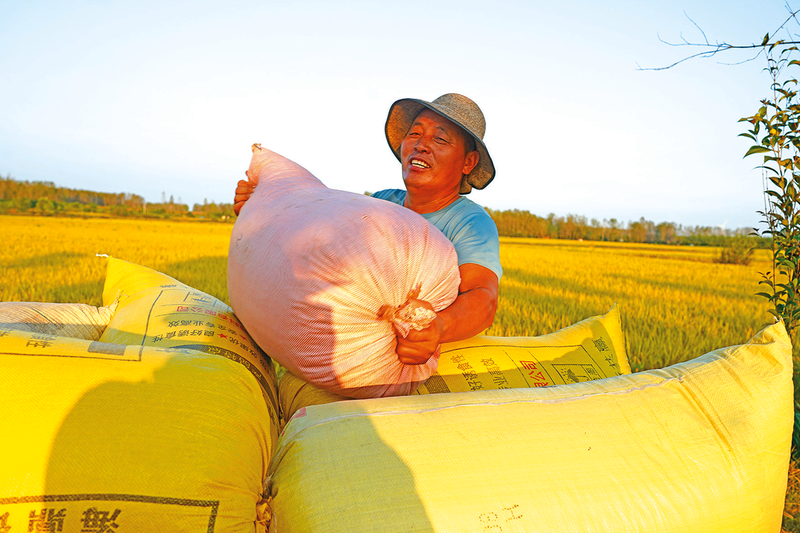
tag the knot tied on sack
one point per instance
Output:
(264, 507)
(411, 314)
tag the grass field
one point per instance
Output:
(675, 302)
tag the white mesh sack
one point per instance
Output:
(310, 269)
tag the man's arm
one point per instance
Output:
(471, 313)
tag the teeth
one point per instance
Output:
(419, 164)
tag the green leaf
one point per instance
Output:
(756, 150)
(766, 40)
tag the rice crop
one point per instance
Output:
(46, 259)
(676, 303)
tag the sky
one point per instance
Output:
(164, 98)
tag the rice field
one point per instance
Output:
(54, 259)
(676, 303)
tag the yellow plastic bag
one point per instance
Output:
(593, 348)
(104, 437)
(698, 446)
(153, 309)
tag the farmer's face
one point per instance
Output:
(433, 154)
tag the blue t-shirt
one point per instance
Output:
(468, 226)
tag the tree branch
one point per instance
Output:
(713, 49)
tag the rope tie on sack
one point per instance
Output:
(408, 315)
(264, 506)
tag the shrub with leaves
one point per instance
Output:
(774, 129)
(736, 251)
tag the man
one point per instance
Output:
(440, 148)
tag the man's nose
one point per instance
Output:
(423, 143)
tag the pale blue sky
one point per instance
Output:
(167, 96)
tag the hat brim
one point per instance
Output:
(402, 115)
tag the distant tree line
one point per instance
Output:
(45, 198)
(516, 223)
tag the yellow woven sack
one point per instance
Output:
(698, 446)
(153, 309)
(591, 349)
(102, 437)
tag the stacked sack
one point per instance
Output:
(163, 418)
(593, 348)
(698, 446)
(167, 421)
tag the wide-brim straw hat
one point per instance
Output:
(456, 108)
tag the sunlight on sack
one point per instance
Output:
(310, 269)
(153, 309)
(102, 436)
(591, 349)
(699, 446)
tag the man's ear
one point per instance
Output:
(470, 161)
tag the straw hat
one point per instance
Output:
(456, 108)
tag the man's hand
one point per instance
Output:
(419, 345)
(244, 189)
(472, 312)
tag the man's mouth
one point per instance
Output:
(419, 164)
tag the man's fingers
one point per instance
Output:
(245, 187)
(410, 353)
(413, 360)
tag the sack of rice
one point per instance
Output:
(311, 268)
(699, 446)
(593, 348)
(104, 437)
(153, 309)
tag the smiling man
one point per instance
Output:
(440, 148)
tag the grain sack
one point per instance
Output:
(153, 309)
(593, 348)
(698, 446)
(310, 269)
(104, 437)
(81, 321)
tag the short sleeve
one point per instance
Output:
(476, 241)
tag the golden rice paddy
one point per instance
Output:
(675, 302)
